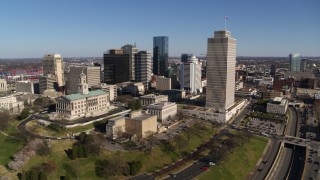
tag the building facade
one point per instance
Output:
(53, 64)
(152, 98)
(131, 50)
(143, 67)
(295, 62)
(25, 87)
(82, 104)
(190, 76)
(221, 62)
(116, 66)
(48, 82)
(163, 110)
(163, 83)
(3, 85)
(11, 104)
(160, 54)
(92, 73)
(277, 106)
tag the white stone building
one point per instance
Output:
(25, 87)
(82, 104)
(10, 103)
(3, 85)
(277, 106)
(152, 98)
(163, 110)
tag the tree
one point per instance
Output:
(134, 105)
(135, 167)
(180, 143)
(5, 119)
(43, 149)
(24, 114)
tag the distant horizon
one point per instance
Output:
(78, 28)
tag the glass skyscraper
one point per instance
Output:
(160, 54)
(295, 62)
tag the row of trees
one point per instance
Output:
(84, 147)
(39, 172)
(117, 166)
(134, 104)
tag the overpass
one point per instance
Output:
(295, 141)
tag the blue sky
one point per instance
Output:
(75, 28)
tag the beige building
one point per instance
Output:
(10, 103)
(47, 83)
(25, 87)
(221, 62)
(92, 73)
(163, 83)
(111, 90)
(163, 110)
(115, 127)
(3, 85)
(277, 106)
(152, 98)
(53, 64)
(82, 104)
(137, 123)
(141, 124)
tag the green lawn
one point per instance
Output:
(238, 164)
(151, 161)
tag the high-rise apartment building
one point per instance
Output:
(221, 61)
(143, 67)
(190, 76)
(116, 66)
(131, 50)
(53, 64)
(92, 74)
(160, 54)
(185, 57)
(295, 62)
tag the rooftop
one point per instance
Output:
(77, 96)
(161, 104)
(142, 117)
(152, 96)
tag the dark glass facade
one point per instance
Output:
(185, 57)
(160, 54)
(116, 66)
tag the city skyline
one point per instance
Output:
(87, 29)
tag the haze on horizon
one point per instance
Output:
(77, 28)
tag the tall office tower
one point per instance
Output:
(160, 54)
(273, 69)
(295, 62)
(303, 65)
(131, 50)
(221, 62)
(185, 57)
(190, 76)
(53, 64)
(143, 67)
(48, 82)
(116, 66)
(93, 77)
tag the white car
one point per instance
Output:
(212, 163)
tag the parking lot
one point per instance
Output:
(264, 126)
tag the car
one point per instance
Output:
(212, 163)
(172, 175)
(260, 169)
(204, 168)
(316, 170)
(265, 162)
(59, 138)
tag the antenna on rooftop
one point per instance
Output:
(225, 23)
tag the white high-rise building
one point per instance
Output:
(131, 50)
(190, 76)
(221, 61)
(53, 64)
(143, 67)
